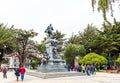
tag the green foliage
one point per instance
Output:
(104, 6)
(7, 39)
(6, 36)
(118, 60)
(93, 58)
(60, 37)
(72, 50)
(87, 37)
(41, 47)
(4, 61)
(74, 39)
(34, 64)
(22, 40)
(107, 41)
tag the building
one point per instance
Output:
(13, 60)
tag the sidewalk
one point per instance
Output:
(98, 78)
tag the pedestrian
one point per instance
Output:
(22, 72)
(68, 67)
(17, 73)
(4, 70)
(88, 70)
(92, 69)
(79, 68)
(83, 68)
(75, 68)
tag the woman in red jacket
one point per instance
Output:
(22, 72)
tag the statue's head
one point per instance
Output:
(50, 24)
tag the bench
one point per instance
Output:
(112, 71)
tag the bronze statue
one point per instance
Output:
(49, 31)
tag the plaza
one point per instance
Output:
(99, 77)
(60, 41)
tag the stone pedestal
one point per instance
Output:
(53, 66)
(55, 74)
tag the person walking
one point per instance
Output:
(83, 68)
(17, 73)
(88, 70)
(4, 70)
(69, 67)
(92, 69)
(22, 72)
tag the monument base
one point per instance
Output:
(55, 74)
(52, 66)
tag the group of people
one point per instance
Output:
(88, 69)
(19, 72)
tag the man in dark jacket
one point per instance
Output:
(17, 73)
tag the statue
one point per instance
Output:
(49, 31)
(45, 59)
(54, 43)
(54, 52)
(51, 61)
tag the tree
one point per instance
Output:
(87, 36)
(6, 40)
(93, 58)
(41, 47)
(74, 39)
(34, 64)
(108, 41)
(60, 37)
(5, 61)
(118, 60)
(72, 50)
(22, 41)
(104, 6)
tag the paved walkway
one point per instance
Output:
(98, 78)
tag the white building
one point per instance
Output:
(13, 61)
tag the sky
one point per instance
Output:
(67, 16)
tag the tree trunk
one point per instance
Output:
(22, 59)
